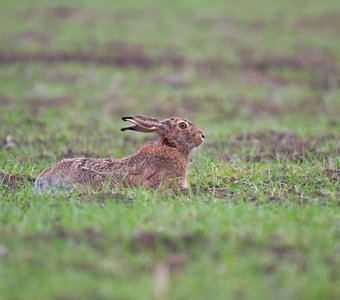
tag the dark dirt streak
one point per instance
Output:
(143, 240)
(269, 145)
(5, 100)
(32, 37)
(179, 248)
(324, 72)
(137, 57)
(89, 235)
(38, 103)
(277, 249)
(326, 22)
(63, 76)
(123, 59)
(62, 12)
(323, 69)
(140, 240)
(304, 59)
(251, 108)
(333, 174)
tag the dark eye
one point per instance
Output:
(182, 125)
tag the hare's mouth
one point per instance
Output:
(198, 140)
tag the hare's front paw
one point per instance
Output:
(184, 184)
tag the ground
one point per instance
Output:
(261, 218)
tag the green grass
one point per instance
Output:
(261, 219)
(236, 249)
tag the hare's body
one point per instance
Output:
(148, 167)
(156, 165)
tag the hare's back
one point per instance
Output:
(55, 175)
(76, 170)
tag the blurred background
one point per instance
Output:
(261, 78)
(70, 69)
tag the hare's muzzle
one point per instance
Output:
(199, 137)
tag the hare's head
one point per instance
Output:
(174, 132)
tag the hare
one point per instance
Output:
(158, 165)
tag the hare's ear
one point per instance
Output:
(144, 124)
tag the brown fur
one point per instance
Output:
(157, 165)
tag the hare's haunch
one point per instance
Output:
(157, 165)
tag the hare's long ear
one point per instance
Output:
(144, 124)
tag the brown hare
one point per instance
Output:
(158, 165)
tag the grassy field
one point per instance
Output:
(261, 219)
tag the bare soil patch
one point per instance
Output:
(89, 235)
(32, 37)
(71, 77)
(333, 174)
(62, 12)
(304, 59)
(117, 54)
(289, 254)
(322, 69)
(38, 102)
(312, 105)
(6, 100)
(276, 248)
(173, 80)
(63, 76)
(319, 69)
(326, 22)
(152, 240)
(230, 108)
(271, 145)
(127, 58)
(232, 26)
(255, 77)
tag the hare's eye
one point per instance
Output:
(182, 125)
